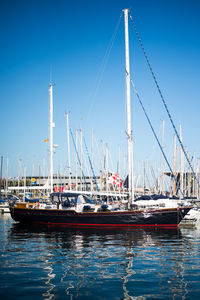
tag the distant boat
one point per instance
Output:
(76, 209)
(4, 206)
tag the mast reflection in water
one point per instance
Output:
(98, 264)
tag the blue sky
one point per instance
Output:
(71, 39)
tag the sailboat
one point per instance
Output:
(77, 209)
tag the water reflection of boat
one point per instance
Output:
(71, 257)
(97, 231)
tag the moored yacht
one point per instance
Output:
(77, 209)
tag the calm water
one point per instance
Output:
(98, 264)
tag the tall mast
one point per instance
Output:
(162, 169)
(101, 165)
(7, 178)
(181, 165)
(24, 182)
(175, 158)
(92, 158)
(77, 160)
(106, 166)
(81, 149)
(51, 126)
(128, 108)
(68, 146)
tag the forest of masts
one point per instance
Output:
(147, 179)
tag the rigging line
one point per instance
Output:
(104, 62)
(161, 148)
(163, 100)
(78, 158)
(91, 164)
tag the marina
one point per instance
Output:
(87, 219)
(89, 212)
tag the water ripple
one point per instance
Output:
(98, 264)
